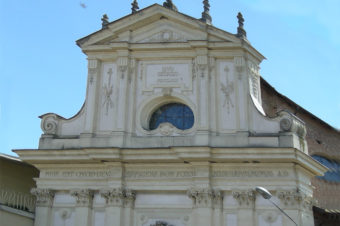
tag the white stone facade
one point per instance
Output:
(106, 167)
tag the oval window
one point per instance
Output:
(179, 115)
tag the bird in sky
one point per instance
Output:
(83, 5)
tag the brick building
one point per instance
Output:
(323, 144)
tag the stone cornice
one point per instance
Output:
(174, 154)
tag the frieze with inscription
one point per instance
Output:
(159, 174)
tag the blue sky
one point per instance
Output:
(42, 69)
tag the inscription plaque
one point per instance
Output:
(167, 75)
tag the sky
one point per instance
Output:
(42, 69)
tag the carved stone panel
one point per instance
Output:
(167, 74)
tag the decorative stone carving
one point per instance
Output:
(270, 216)
(64, 214)
(227, 90)
(160, 223)
(83, 197)
(165, 36)
(108, 90)
(119, 197)
(205, 197)
(218, 199)
(202, 64)
(92, 64)
(202, 197)
(122, 63)
(113, 197)
(166, 129)
(132, 68)
(239, 64)
(129, 198)
(254, 72)
(295, 197)
(244, 198)
(241, 33)
(49, 124)
(291, 123)
(44, 197)
(289, 198)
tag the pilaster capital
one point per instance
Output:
(244, 198)
(119, 197)
(205, 197)
(83, 197)
(44, 197)
(130, 197)
(291, 198)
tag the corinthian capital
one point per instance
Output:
(119, 197)
(244, 198)
(44, 196)
(83, 197)
(205, 197)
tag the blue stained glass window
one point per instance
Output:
(179, 115)
(333, 175)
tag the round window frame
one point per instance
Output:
(149, 106)
(182, 118)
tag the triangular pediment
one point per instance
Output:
(156, 24)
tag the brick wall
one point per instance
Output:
(322, 139)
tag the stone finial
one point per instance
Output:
(168, 4)
(105, 21)
(135, 6)
(241, 33)
(206, 15)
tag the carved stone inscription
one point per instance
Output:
(167, 75)
(78, 174)
(171, 173)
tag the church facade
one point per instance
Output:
(172, 132)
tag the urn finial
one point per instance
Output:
(170, 5)
(105, 21)
(135, 6)
(241, 33)
(206, 14)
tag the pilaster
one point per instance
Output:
(297, 205)
(43, 208)
(246, 205)
(84, 198)
(119, 206)
(91, 95)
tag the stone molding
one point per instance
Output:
(45, 197)
(205, 197)
(244, 198)
(119, 197)
(83, 197)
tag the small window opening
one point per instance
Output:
(179, 115)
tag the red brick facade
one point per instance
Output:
(322, 140)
